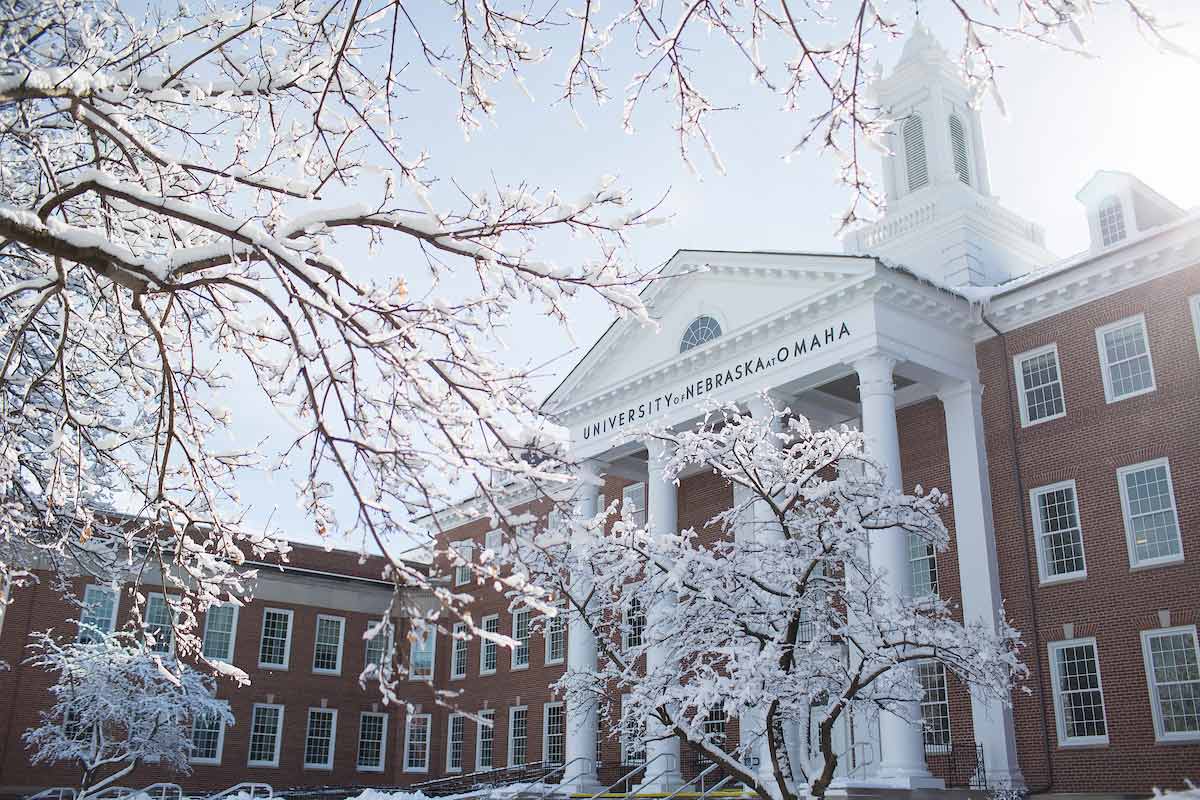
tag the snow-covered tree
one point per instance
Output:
(775, 615)
(178, 181)
(117, 705)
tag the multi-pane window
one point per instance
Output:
(1151, 524)
(327, 653)
(379, 646)
(556, 637)
(99, 613)
(1078, 695)
(275, 647)
(421, 654)
(488, 647)
(1125, 359)
(1173, 674)
(372, 741)
(633, 503)
(635, 623)
(493, 540)
(922, 562)
(416, 743)
(701, 330)
(714, 728)
(485, 739)
(208, 738)
(456, 733)
(220, 627)
(518, 735)
(319, 739)
(1059, 537)
(160, 627)
(935, 706)
(1041, 389)
(633, 735)
(462, 561)
(1112, 221)
(458, 652)
(520, 632)
(265, 724)
(554, 733)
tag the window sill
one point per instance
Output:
(276, 667)
(1058, 580)
(334, 673)
(318, 768)
(1110, 400)
(262, 765)
(1085, 745)
(374, 770)
(414, 771)
(1158, 562)
(1026, 423)
(558, 662)
(483, 673)
(518, 667)
(1177, 739)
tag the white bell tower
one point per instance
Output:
(942, 221)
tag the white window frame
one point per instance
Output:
(228, 657)
(287, 645)
(1059, 719)
(382, 742)
(1019, 375)
(1194, 302)
(166, 599)
(328, 764)
(216, 762)
(487, 645)
(464, 549)
(557, 622)
(1159, 734)
(112, 617)
(388, 632)
(430, 633)
(341, 646)
(638, 514)
(462, 755)
(493, 540)
(949, 744)
(408, 738)
(546, 708)
(458, 645)
(1044, 577)
(515, 665)
(627, 734)
(627, 626)
(489, 714)
(274, 762)
(512, 721)
(1130, 545)
(1102, 351)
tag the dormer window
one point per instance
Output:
(915, 162)
(958, 145)
(702, 329)
(1112, 221)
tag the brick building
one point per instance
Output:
(1056, 400)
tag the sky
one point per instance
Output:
(1130, 107)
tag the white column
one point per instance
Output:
(978, 564)
(902, 756)
(662, 517)
(581, 657)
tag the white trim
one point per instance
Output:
(464, 577)
(512, 718)
(337, 670)
(287, 645)
(387, 633)
(431, 636)
(1044, 576)
(220, 743)
(170, 651)
(328, 764)
(485, 644)
(945, 688)
(382, 742)
(546, 707)
(1102, 352)
(1130, 546)
(112, 617)
(408, 737)
(455, 644)
(494, 541)
(1060, 722)
(462, 754)
(560, 621)
(1159, 734)
(274, 762)
(488, 713)
(1019, 377)
(1194, 302)
(512, 659)
(228, 658)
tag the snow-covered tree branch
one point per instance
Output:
(117, 706)
(780, 611)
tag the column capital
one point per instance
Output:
(659, 451)
(954, 390)
(875, 373)
(759, 404)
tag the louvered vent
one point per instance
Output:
(958, 142)
(914, 153)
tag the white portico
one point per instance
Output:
(839, 339)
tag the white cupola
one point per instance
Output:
(942, 221)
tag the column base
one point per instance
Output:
(882, 780)
(580, 784)
(1006, 778)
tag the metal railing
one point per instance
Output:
(545, 779)
(108, 793)
(55, 793)
(699, 777)
(252, 791)
(718, 786)
(161, 791)
(639, 768)
(499, 776)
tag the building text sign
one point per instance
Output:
(801, 347)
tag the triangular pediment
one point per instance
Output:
(738, 289)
